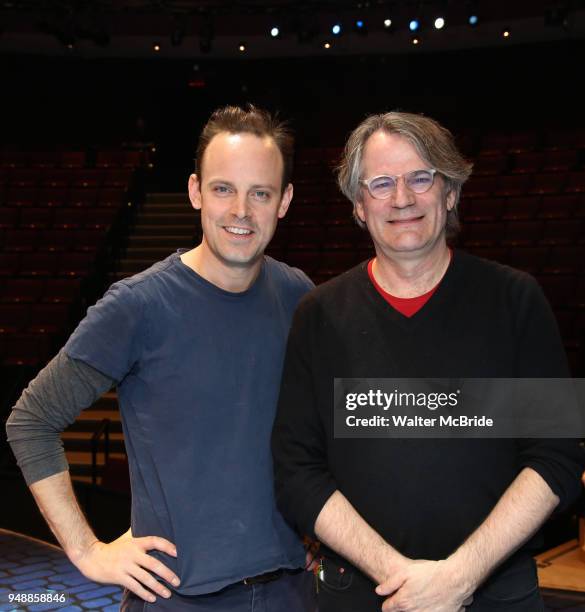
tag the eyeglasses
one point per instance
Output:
(382, 187)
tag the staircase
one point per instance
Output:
(165, 222)
(77, 439)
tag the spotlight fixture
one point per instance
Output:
(415, 40)
(414, 25)
(506, 33)
(327, 45)
(359, 26)
(242, 47)
(156, 47)
(336, 29)
(439, 23)
(387, 23)
(274, 32)
(473, 20)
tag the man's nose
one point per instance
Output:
(403, 196)
(240, 206)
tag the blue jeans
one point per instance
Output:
(292, 592)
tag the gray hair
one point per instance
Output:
(433, 143)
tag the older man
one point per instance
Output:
(437, 524)
(195, 345)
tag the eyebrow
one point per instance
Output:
(266, 186)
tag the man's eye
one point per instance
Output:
(261, 195)
(221, 189)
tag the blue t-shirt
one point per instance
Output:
(199, 371)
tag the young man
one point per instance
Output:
(195, 346)
(438, 524)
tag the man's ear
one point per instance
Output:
(450, 200)
(359, 210)
(285, 200)
(194, 189)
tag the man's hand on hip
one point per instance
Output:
(125, 562)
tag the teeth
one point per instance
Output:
(238, 230)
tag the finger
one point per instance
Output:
(157, 543)
(133, 585)
(389, 586)
(390, 605)
(150, 582)
(160, 569)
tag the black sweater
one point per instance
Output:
(423, 496)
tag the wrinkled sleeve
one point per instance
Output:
(303, 482)
(560, 462)
(110, 337)
(47, 406)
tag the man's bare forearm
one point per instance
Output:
(519, 513)
(342, 529)
(55, 497)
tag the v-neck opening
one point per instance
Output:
(428, 309)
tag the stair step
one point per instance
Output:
(108, 401)
(148, 229)
(174, 242)
(187, 219)
(134, 266)
(80, 463)
(80, 441)
(154, 253)
(158, 197)
(98, 414)
(168, 208)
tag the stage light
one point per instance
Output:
(156, 47)
(359, 24)
(242, 47)
(415, 40)
(274, 32)
(414, 25)
(327, 45)
(473, 19)
(439, 23)
(506, 33)
(387, 23)
(336, 29)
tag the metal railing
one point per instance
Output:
(102, 430)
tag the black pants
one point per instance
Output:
(514, 588)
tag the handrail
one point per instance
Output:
(103, 429)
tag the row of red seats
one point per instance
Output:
(41, 318)
(65, 177)
(58, 197)
(49, 263)
(51, 290)
(524, 184)
(25, 349)
(70, 159)
(517, 142)
(524, 233)
(558, 206)
(32, 219)
(527, 162)
(25, 241)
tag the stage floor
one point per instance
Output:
(30, 566)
